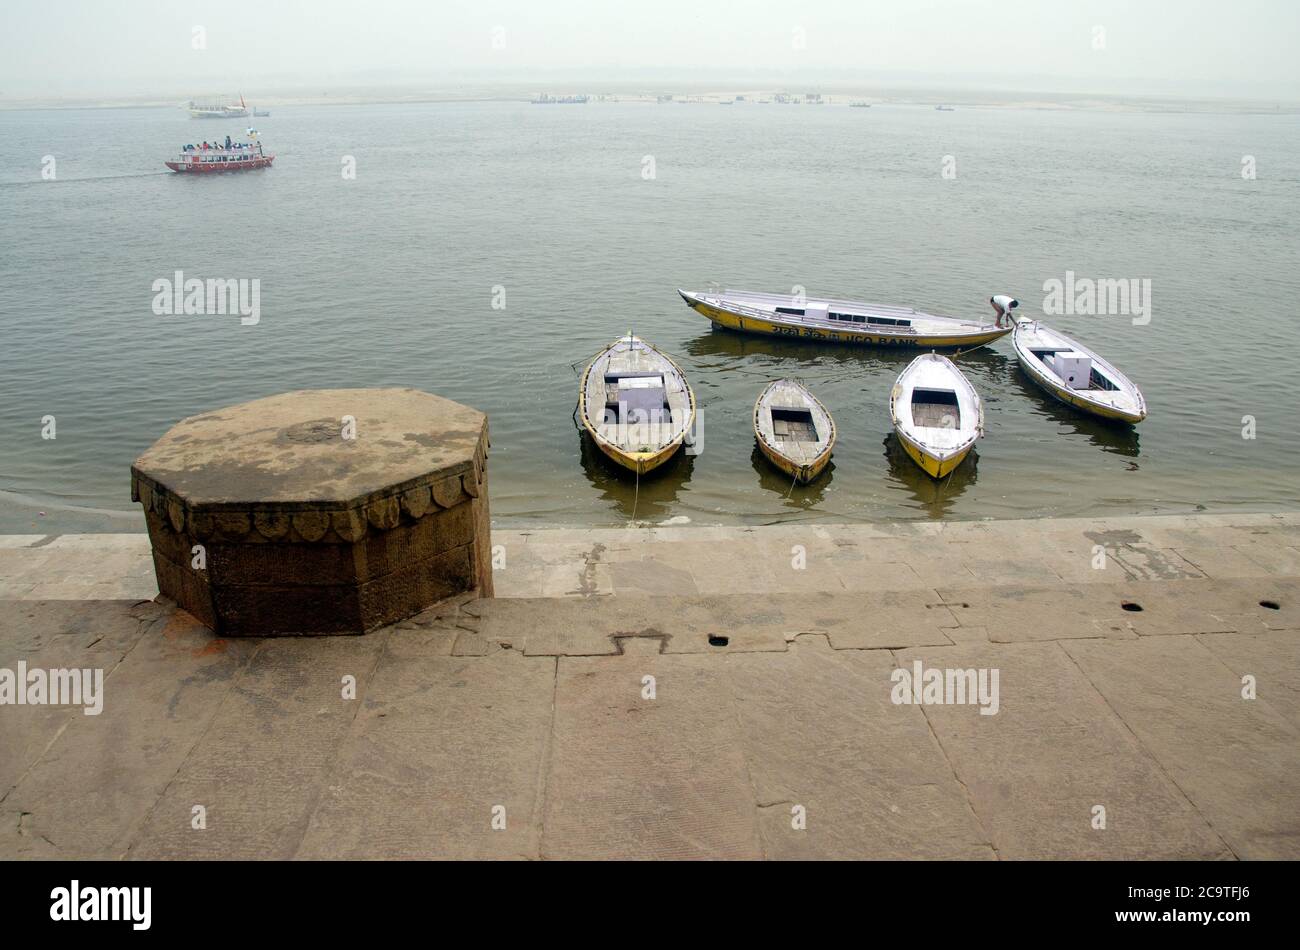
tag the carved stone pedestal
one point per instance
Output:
(320, 511)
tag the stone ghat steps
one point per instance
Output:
(416, 761)
(785, 560)
(893, 556)
(610, 625)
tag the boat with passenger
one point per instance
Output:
(839, 321)
(228, 156)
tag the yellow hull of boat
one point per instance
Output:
(935, 468)
(1070, 398)
(750, 324)
(639, 462)
(803, 474)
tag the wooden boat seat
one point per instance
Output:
(649, 434)
(936, 415)
(649, 401)
(796, 432)
(793, 425)
(636, 363)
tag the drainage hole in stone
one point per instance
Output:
(717, 641)
(1130, 606)
(1270, 604)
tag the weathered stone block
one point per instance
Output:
(319, 511)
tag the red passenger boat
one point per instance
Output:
(207, 158)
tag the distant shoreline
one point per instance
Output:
(698, 96)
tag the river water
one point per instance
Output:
(583, 220)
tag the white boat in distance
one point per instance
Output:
(217, 110)
(839, 321)
(936, 412)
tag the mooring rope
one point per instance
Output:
(793, 482)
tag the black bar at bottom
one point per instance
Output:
(333, 900)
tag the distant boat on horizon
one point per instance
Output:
(216, 110)
(944, 109)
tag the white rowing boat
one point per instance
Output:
(794, 430)
(936, 413)
(636, 404)
(839, 321)
(1075, 374)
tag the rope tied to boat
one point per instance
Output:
(574, 365)
(793, 482)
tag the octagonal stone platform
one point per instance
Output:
(266, 519)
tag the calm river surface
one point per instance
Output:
(388, 280)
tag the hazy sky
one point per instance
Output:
(141, 47)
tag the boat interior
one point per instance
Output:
(793, 425)
(862, 315)
(1051, 358)
(790, 421)
(936, 408)
(634, 398)
(836, 317)
(643, 399)
(853, 312)
(845, 311)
